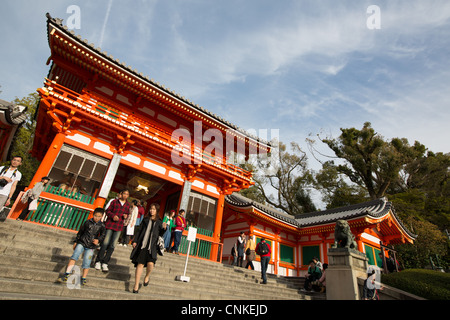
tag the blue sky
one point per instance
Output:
(303, 67)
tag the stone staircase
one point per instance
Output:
(33, 257)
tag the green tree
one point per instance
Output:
(424, 191)
(430, 242)
(289, 178)
(369, 161)
(253, 192)
(336, 192)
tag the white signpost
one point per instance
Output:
(192, 234)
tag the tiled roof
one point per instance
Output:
(372, 209)
(56, 22)
(238, 200)
(11, 113)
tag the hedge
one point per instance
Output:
(428, 284)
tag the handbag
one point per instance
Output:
(25, 197)
(33, 205)
(247, 252)
(160, 246)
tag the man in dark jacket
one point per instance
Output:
(116, 213)
(90, 235)
(263, 249)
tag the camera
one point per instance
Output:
(3, 183)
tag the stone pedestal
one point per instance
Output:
(344, 268)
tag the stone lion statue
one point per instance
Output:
(343, 237)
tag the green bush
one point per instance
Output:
(428, 284)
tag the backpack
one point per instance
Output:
(263, 249)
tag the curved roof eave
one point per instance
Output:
(374, 209)
(57, 23)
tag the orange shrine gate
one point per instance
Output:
(102, 127)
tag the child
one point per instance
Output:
(90, 235)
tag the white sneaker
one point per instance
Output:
(98, 266)
(105, 267)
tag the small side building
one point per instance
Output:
(296, 240)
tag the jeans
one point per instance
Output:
(167, 237)
(264, 265)
(87, 257)
(177, 240)
(108, 245)
(25, 210)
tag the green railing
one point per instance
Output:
(58, 214)
(62, 215)
(70, 195)
(200, 248)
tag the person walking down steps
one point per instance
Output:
(117, 212)
(90, 235)
(145, 245)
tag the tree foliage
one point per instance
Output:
(289, 178)
(369, 161)
(336, 191)
(430, 242)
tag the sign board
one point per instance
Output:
(192, 234)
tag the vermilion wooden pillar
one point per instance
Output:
(49, 159)
(44, 168)
(217, 226)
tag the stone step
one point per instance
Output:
(120, 263)
(121, 257)
(200, 283)
(49, 290)
(33, 255)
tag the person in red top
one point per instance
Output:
(263, 249)
(116, 213)
(180, 224)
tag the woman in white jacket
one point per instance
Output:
(133, 217)
(130, 223)
(31, 195)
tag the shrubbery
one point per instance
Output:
(428, 284)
